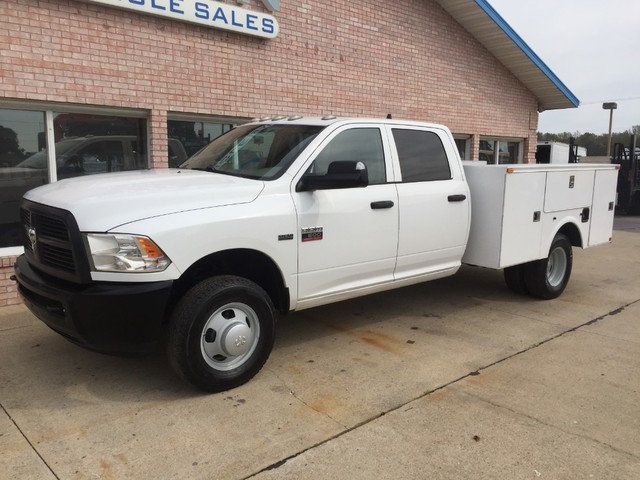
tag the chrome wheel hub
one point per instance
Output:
(556, 267)
(230, 336)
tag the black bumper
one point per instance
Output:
(108, 317)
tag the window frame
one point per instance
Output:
(467, 145)
(326, 145)
(448, 147)
(496, 151)
(388, 158)
(50, 109)
(175, 116)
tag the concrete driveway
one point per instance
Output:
(452, 379)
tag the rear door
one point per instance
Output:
(433, 198)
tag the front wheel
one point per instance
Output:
(221, 333)
(547, 278)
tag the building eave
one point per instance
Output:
(482, 21)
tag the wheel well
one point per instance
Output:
(249, 264)
(572, 233)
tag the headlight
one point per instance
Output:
(126, 253)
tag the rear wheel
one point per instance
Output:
(221, 333)
(514, 278)
(547, 278)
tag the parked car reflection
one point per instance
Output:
(75, 156)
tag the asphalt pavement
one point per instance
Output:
(452, 379)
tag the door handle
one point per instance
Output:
(457, 198)
(382, 204)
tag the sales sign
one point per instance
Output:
(207, 12)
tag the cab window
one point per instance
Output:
(422, 156)
(359, 145)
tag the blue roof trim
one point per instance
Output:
(495, 16)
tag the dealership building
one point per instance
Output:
(96, 86)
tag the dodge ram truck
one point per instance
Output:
(286, 214)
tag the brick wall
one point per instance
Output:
(356, 58)
(406, 57)
(8, 290)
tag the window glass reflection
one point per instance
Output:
(89, 144)
(85, 144)
(188, 137)
(22, 138)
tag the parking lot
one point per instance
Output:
(458, 378)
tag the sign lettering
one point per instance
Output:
(207, 12)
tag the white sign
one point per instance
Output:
(206, 12)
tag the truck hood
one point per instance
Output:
(102, 202)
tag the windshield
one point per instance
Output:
(254, 151)
(39, 160)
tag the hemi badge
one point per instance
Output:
(311, 234)
(288, 236)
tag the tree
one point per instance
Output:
(596, 145)
(10, 152)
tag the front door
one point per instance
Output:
(348, 237)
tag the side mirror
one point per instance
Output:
(344, 174)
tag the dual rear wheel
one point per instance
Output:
(546, 278)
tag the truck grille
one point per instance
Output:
(52, 242)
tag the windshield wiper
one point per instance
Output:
(205, 169)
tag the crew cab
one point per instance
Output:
(286, 214)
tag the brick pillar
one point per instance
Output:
(529, 145)
(158, 151)
(475, 147)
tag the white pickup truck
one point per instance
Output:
(286, 214)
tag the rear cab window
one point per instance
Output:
(421, 155)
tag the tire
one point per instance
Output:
(221, 333)
(547, 278)
(514, 278)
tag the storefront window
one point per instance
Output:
(463, 145)
(500, 152)
(89, 144)
(84, 144)
(22, 138)
(186, 137)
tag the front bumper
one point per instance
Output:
(108, 317)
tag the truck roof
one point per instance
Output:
(331, 120)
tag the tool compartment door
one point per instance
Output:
(521, 221)
(604, 197)
(568, 190)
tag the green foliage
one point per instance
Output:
(596, 145)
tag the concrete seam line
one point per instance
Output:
(299, 399)
(280, 463)
(29, 442)
(549, 425)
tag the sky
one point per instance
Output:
(593, 47)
